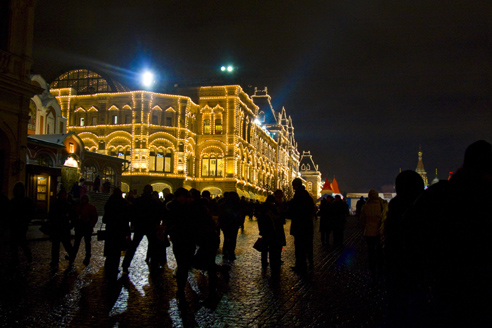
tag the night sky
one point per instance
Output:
(366, 82)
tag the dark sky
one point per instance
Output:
(366, 82)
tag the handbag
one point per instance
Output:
(259, 244)
(101, 234)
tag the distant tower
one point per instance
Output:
(436, 179)
(420, 169)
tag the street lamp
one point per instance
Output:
(148, 79)
(228, 69)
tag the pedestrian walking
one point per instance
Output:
(182, 229)
(271, 229)
(97, 184)
(116, 218)
(301, 212)
(340, 212)
(147, 216)
(60, 217)
(229, 222)
(85, 220)
(371, 217)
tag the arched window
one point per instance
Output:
(212, 166)
(206, 126)
(218, 126)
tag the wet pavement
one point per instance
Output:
(337, 292)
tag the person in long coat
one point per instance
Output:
(301, 212)
(183, 232)
(116, 219)
(271, 228)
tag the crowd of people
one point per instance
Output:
(431, 247)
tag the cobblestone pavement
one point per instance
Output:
(337, 292)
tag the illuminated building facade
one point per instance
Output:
(310, 172)
(223, 141)
(56, 159)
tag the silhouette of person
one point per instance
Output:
(339, 212)
(60, 217)
(85, 220)
(229, 222)
(147, 216)
(271, 228)
(116, 218)
(301, 213)
(449, 245)
(409, 186)
(22, 210)
(358, 207)
(182, 229)
(97, 183)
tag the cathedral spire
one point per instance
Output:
(420, 168)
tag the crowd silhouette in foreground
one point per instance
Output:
(431, 248)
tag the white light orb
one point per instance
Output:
(147, 79)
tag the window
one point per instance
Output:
(218, 126)
(155, 120)
(206, 126)
(114, 119)
(128, 119)
(160, 160)
(82, 120)
(94, 120)
(212, 166)
(169, 121)
(71, 148)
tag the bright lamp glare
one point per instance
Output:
(229, 68)
(223, 68)
(147, 79)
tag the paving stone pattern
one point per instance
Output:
(337, 292)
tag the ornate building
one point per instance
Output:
(55, 159)
(223, 141)
(420, 169)
(310, 172)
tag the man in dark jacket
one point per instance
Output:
(147, 216)
(301, 212)
(85, 220)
